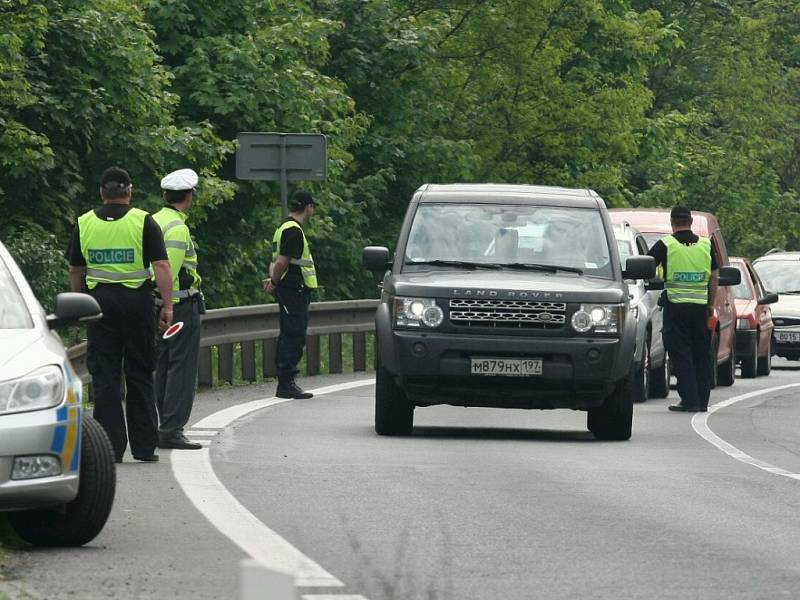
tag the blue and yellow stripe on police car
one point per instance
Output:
(67, 434)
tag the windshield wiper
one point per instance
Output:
(453, 263)
(540, 267)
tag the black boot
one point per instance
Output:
(290, 389)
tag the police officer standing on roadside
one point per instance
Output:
(110, 253)
(176, 365)
(691, 275)
(292, 278)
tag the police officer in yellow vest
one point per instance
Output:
(176, 365)
(690, 286)
(111, 252)
(292, 278)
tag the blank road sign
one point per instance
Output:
(264, 155)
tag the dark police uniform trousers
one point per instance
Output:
(293, 305)
(176, 368)
(688, 341)
(122, 341)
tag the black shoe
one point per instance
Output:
(148, 458)
(292, 390)
(683, 408)
(177, 441)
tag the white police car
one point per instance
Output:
(57, 472)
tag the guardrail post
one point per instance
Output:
(226, 362)
(312, 355)
(268, 355)
(249, 361)
(360, 351)
(205, 371)
(335, 353)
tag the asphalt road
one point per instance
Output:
(477, 503)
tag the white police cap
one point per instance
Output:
(182, 179)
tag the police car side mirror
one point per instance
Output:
(640, 267)
(376, 259)
(768, 299)
(72, 308)
(729, 276)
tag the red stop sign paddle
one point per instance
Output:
(172, 330)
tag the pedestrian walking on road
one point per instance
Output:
(292, 278)
(177, 356)
(110, 254)
(691, 275)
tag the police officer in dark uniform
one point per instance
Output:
(292, 279)
(110, 255)
(691, 275)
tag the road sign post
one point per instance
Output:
(282, 157)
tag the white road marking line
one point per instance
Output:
(223, 418)
(195, 475)
(207, 433)
(331, 597)
(700, 425)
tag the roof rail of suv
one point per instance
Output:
(773, 251)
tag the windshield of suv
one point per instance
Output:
(742, 291)
(513, 235)
(13, 310)
(779, 276)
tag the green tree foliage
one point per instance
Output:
(651, 102)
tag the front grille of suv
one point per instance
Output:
(508, 313)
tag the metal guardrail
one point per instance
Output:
(223, 328)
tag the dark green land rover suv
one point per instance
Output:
(507, 296)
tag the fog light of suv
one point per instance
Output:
(582, 321)
(33, 467)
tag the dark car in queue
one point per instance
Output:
(753, 321)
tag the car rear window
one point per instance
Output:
(14, 312)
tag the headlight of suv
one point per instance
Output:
(598, 318)
(42, 388)
(416, 312)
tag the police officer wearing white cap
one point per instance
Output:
(176, 367)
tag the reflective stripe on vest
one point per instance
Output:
(113, 250)
(305, 262)
(688, 271)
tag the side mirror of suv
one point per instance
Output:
(729, 276)
(376, 259)
(768, 299)
(74, 308)
(640, 267)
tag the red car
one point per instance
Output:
(754, 321)
(654, 223)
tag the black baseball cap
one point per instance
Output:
(301, 199)
(679, 213)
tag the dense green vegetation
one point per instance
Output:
(650, 102)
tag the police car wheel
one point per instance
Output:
(81, 520)
(614, 419)
(394, 414)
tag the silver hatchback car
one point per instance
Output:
(57, 472)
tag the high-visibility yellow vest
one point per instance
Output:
(181, 251)
(306, 262)
(113, 250)
(688, 271)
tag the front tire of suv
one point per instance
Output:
(641, 378)
(394, 414)
(614, 419)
